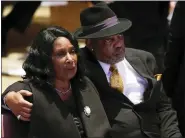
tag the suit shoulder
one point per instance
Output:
(146, 57)
(139, 53)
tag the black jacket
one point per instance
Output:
(174, 76)
(50, 117)
(153, 118)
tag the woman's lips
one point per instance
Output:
(71, 67)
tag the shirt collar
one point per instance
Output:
(105, 67)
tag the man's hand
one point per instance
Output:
(15, 101)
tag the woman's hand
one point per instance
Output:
(18, 105)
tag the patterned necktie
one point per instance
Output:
(116, 81)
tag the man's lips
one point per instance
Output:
(119, 51)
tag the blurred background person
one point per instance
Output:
(174, 74)
(171, 10)
(19, 19)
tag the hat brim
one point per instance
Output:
(122, 26)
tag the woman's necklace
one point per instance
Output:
(64, 92)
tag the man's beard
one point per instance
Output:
(114, 59)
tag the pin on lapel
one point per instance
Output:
(87, 111)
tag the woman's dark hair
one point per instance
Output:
(38, 64)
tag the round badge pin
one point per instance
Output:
(87, 110)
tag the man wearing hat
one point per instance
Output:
(134, 100)
(149, 26)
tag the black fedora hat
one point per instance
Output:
(100, 21)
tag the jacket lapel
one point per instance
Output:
(93, 64)
(142, 69)
(99, 78)
(92, 113)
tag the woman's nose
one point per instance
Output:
(69, 58)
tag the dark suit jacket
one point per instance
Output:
(50, 117)
(152, 118)
(21, 15)
(174, 76)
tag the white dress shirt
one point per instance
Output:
(134, 84)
